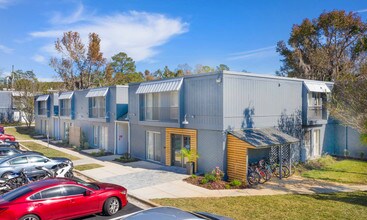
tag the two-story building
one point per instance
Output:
(94, 114)
(229, 118)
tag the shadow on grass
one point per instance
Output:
(356, 198)
(26, 130)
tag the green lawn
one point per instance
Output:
(88, 166)
(48, 152)
(21, 133)
(343, 171)
(318, 206)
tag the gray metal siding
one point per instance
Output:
(211, 149)
(133, 104)
(6, 100)
(348, 138)
(203, 98)
(258, 102)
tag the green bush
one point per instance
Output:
(204, 181)
(235, 183)
(194, 176)
(210, 177)
(321, 162)
(227, 186)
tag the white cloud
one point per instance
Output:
(39, 58)
(4, 3)
(136, 33)
(361, 10)
(77, 16)
(257, 53)
(5, 49)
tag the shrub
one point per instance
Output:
(320, 163)
(210, 177)
(235, 183)
(227, 186)
(204, 181)
(194, 176)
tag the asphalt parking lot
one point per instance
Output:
(128, 209)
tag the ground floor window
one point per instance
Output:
(100, 136)
(66, 130)
(153, 145)
(178, 142)
(316, 142)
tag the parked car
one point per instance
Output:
(9, 151)
(13, 144)
(7, 137)
(170, 213)
(14, 164)
(60, 198)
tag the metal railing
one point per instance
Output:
(42, 111)
(98, 113)
(316, 112)
(65, 111)
(161, 114)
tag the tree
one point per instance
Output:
(222, 67)
(203, 69)
(122, 63)
(324, 48)
(184, 69)
(79, 66)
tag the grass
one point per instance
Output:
(21, 133)
(341, 171)
(88, 166)
(48, 152)
(316, 206)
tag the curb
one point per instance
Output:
(146, 202)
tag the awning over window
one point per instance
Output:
(66, 95)
(99, 92)
(160, 86)
(264, 137)
(42, 98)
(316, 86)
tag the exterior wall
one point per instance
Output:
(348, 139)
(258, 102)
(211, 149)
(6, 106)
(237, 158)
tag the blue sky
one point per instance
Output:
(241, 34)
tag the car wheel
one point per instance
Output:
(6, 174)
(111, 206)
(30, 217)
(69, 174)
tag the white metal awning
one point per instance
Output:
(66, 95)
(160, 86)
(316, 86)
(99, 92)
(42, 98)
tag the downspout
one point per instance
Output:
(115, 142)
(128, 138)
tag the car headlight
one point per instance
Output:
(124, 192)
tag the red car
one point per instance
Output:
(61, 198)
(7, 137)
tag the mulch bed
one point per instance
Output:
(221, 184)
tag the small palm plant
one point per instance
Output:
(191, 157)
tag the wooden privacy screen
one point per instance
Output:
(237, 158)
(188, 132)
(74, 135)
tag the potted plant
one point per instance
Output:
(191, 157)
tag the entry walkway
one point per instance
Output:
(147, 180)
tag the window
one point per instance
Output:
(314, 99)
(98, 107)
(16, 193)
(174, 105)
(66, 130)
(316, 142)
(153, 144)
(36, 159)
(100, 136)
(65, 107)
(152, 106)
(159, 106)
(52, 193)
(19, 160)
(74, 190)
(42, 108)
(95, 136)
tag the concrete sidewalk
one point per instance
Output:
(147, 180)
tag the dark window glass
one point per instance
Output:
(19, 160)
(36, 196)
(52, 193)
(74, 190)
(35, 159)
(16, 193)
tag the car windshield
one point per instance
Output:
(14, 194)
(90, 185)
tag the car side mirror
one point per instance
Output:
(46, 160)
(88, 193)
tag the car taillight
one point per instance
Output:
(3, 209)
